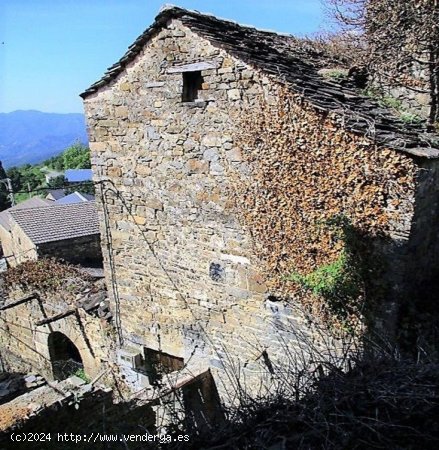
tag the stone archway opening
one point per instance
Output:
(64, 356)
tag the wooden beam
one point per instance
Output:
(19, 301)
(56, 317)
(193, 67)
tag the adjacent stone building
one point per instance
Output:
(6, 222)
(69, 232)
(206, 194)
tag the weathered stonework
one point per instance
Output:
(84, 250)
(181, 267)
(168, 160)
(25, 344)
(18, 247)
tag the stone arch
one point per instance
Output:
(65, 356)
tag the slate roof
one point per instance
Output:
(33, 202)
(56, 193)
(74, 197)
(58, 222)
(78, 175)
(296, 63)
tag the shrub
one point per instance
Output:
(340, 282)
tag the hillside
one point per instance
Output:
(33, 136)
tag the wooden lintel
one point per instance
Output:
(56, 317)
(19, 301)
(193, 67)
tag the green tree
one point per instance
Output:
(25, 177)
(57, 182)
(56, 162)
(77, 157)
(16, 177)
(4, 200)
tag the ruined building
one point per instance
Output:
(204, 203)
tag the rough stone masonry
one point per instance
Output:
(182, 269)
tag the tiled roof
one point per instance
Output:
(58, 222)
(77, 175)
(33, 202)
(88, 197)
(296, 63)
(75, 197)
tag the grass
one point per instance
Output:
(388, 101)
(332, 281)
(80, 373)
(410, 118)
(336, 74)
(339, 283)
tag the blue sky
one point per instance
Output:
(52, 50)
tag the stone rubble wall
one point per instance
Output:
(24, 345)
(412, 88)
(169, 162)
(70, 406)
(17, 247)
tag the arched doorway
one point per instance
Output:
(64, 355)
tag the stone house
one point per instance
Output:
(75, 197)
(6, 239)
(60, 196)
(204, 201)
(69, 232)
(54, 331)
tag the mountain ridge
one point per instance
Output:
(32, 136)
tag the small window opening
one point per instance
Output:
(192, 82)
(273, 298)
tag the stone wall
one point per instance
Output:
(17, 247)
(181, 266)
(185, 269)
(418, 321)
(24, 344)
(411, 89)
(83, 410)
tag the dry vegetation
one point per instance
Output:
(380, 404)
(314, 188)
(43, 275)
(395, 39)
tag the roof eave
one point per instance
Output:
(165, 14)
(65, 239)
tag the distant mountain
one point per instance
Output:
(33, 136)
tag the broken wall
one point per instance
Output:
(24, 344)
